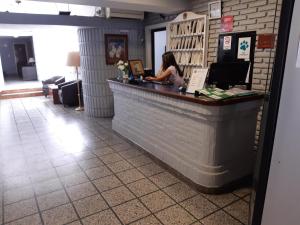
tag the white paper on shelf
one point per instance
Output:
(197, 80)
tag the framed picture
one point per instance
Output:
(214, 10)
(116, 48)
(136, 67)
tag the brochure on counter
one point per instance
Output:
(220, 94)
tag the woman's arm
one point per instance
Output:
(162, 76)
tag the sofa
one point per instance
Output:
(53, 80)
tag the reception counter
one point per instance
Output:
(207, 141)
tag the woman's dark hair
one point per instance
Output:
(168, 59)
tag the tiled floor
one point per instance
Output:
(59, 167)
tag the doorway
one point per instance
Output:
(159, 43)
(20, 57)
(16, 55)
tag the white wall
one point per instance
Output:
(51, 46)
(283, 191)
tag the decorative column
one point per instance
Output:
(97, 96)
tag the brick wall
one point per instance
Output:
(261, 16)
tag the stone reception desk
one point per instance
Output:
(209, 142)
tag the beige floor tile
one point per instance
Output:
(117, 196)
(175, 215)
(198, 206)
(140, 160)
(142, 187)
(151, 169)
(75, 223)
(130, 153)
(121, 147)
(197, 223)
(247, 198)
(150, 220)
(81, 191)
(98, 172)
(106, 217)
(164, 179)
(111, 158)
(220, 218)
(68, 170)
(157, 201)
(107, 183)
(90, 163)
(83, 156)
(19, 210)
(103, 151)
(129, 176)
(61, 161)
(180, 191)
(74, 179)
(120, 166)
(52, 199)
(242, 192)
(18, 194)
(222, 199)
(131, 211)
(90, 205)
(16, 182)
(59, 215)
(29, 220)
(239, 210)
(43, 175)
(47, 186)
(1, 212)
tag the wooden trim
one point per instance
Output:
(171, 91)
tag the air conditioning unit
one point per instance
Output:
(119, 13)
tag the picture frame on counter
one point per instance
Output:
(214, 10)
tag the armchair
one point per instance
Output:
(68, 93)
(53, 80)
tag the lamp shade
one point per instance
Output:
(73, 59)
(31, 60)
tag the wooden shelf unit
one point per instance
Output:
(187, 39)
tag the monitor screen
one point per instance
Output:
(227, 74)
(136, 67)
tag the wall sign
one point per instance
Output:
(197, 80)
(227, 23)
(227, 42)
(214, 10)
(265, 41)
(244, 48)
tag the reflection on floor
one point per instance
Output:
(60, 167)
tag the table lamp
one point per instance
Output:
(31, 61)
(74, 60)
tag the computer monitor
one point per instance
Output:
(227, 74)
(136, 67)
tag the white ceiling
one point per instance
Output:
(157, 6)
(50, 8)
(15, 30)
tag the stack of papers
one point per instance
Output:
(219, 94)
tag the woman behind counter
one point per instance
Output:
(169, 71)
